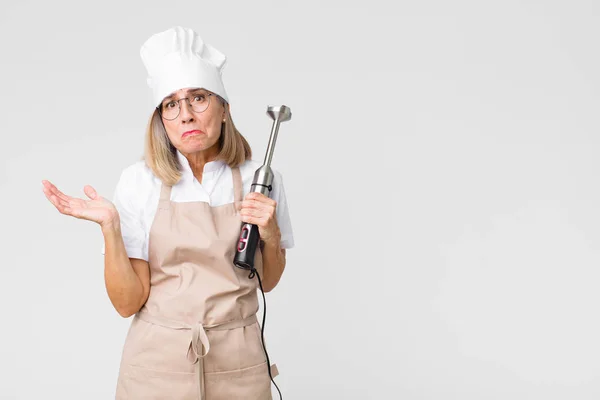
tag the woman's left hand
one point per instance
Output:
(259, 210)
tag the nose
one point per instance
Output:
(185, 113)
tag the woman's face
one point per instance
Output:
(192, 131)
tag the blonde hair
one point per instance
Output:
(161, 156)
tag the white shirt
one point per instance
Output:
(138, 191)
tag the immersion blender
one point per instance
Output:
(263, 179)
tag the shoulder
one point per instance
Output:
(137, 181)
(249, 166)
(138, 173)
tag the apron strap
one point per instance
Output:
(165, 197)
(238, 190)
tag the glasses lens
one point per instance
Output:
(200, 102)
(170, 110)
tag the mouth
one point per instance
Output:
(191, 133)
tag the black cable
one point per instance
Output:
(270, 187)
(262, 328)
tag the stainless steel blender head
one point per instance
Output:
(278, 114)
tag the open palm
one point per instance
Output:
(97, 209)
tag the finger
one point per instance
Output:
(263, 230)
(260, 197)
(62, 206)
(250, 219)
(245, 211)
(250, 204)
(253, 195)
(51, 198)
(255, 212)
(257, 204)
(54, 190)
(55, 200)
(90, 192)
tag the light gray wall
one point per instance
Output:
(441, 168)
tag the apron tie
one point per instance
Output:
(199, 344)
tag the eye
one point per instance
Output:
(199, 97)
(168, 105)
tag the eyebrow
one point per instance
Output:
(170, 96)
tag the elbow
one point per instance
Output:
(127, 310)
(267, 289)
(269, 285)
(130, 304)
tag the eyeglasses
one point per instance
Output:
(199, 101)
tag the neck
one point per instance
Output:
(199, 159)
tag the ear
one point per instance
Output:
(225, 108)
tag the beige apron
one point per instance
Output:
(197, 336)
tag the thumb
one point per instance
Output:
(90, 192)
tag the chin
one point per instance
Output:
(194, 147)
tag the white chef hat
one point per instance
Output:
(178, 58)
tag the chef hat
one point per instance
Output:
(178, 58)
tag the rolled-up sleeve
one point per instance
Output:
(283, 212)
(126, 200)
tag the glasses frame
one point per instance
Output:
(159, 107)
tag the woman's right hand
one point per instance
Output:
(97, 209)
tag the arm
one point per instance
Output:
(272, 218)
(273, 258)
(127, 279)
(259, 209)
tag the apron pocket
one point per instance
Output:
(148, 384)
(251, 383)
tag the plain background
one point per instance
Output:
(440, 165)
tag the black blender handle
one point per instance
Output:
(246, 246)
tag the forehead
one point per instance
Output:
(184, 92)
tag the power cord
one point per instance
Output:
(262, 329)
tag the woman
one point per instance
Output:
(171, 232)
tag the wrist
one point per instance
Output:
(111, 226)
(272, 241)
